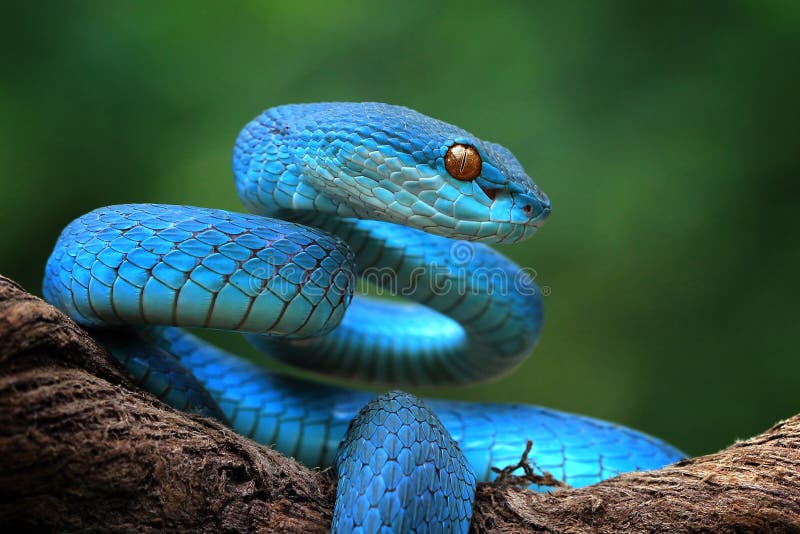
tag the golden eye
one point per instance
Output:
(463, 162)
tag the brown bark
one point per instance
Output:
(82, 449)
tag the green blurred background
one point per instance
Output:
(665, 134)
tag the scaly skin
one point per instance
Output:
(338, 191)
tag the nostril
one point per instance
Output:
(527, 208)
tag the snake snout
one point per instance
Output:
(533, 208)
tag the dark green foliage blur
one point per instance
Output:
(666, 135)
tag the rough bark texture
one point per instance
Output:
(82, 449)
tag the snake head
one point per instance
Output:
(390, 163)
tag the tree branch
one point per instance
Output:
(81, 448)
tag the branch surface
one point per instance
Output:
(81, 448)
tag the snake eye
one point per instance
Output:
(463, 162)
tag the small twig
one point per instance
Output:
(506, 476)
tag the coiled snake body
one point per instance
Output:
(340, 190)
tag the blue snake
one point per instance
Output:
(339, 191)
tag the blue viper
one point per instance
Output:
(338, 191)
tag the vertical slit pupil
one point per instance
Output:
(463, 162)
